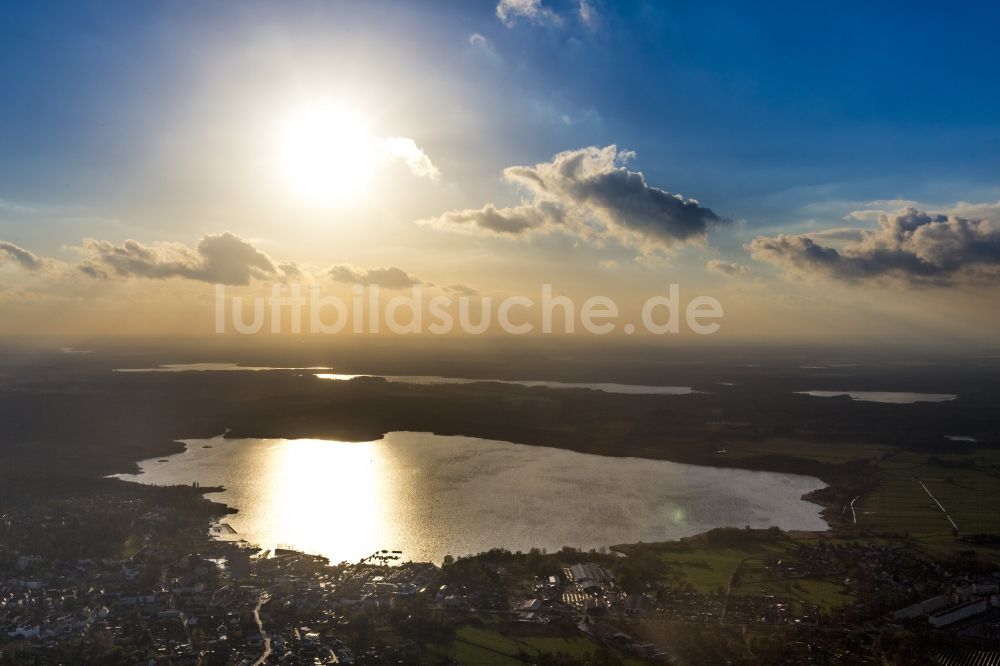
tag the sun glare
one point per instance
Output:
(327, 154)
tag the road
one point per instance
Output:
(940, 506)
(260, 628)
(729, 590)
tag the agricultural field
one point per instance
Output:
(965, 482)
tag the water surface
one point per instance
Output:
(430, 496)
(891, 397)
(209, 367)
(607, 387)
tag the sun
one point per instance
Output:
(327, 154)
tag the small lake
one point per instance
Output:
(891, 397)
(431, 496)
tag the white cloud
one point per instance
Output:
(405, 150)
(510, 11)
(588, 15)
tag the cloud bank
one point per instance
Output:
(592, 194)
(224, 258)
(910, 246)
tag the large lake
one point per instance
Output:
(430, 496)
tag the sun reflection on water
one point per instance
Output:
(325, 497)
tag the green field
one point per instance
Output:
(965, 481)
(708, 568)
(967, 486)
(827, 594)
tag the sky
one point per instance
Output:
(821, 170)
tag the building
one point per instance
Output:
(958, 613)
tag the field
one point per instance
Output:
(707, 568)
(966, 485)
(965, 480)
(754, 581)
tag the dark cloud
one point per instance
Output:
(223, 258)
(590, 193)
(910, 246)
(18, 255)
(390, 277)
(727, 267)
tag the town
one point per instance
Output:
(134, 575)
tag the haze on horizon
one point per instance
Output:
(154, 150)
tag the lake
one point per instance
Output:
(891, 397)
(431, 496)
(607, 387)
(210, 367)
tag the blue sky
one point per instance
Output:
(735, 101)
(138, 121)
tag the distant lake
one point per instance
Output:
(893, 397)
(209, 367)
(430, 495)
(607, 387)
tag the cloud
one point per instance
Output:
(727, 267)
(406, 151)
(910, 246)
(461, 289)
(839, 234)
(390, 277)
(871, 210)
(485, 47)
(588, 15)
(290, 269)
(589, 193)
(224, 258)
(10, 253)
(501, 221)
(510, 11)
